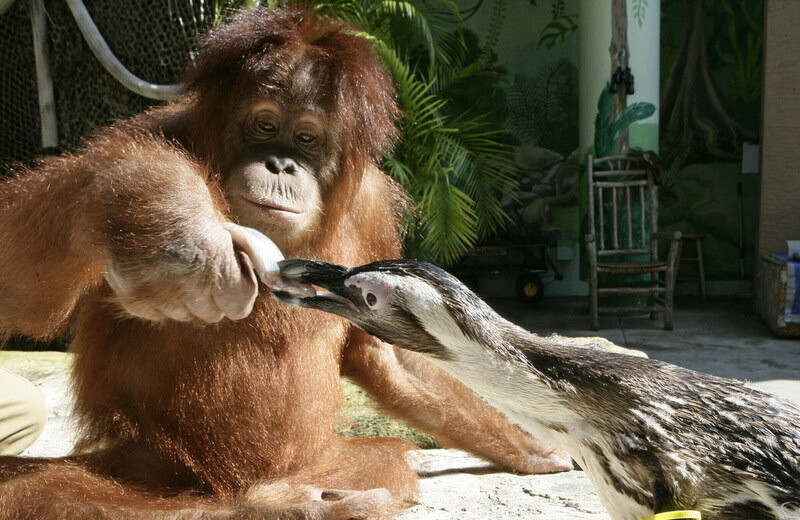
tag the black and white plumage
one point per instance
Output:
(651, 436)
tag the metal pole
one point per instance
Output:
(741, 229)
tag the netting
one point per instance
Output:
(153, 39)
(19, 112)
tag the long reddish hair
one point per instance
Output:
(265, 48)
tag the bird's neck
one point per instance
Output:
(493, 363)
(543, 380)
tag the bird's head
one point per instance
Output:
(411, 304)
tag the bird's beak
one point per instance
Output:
(335, 297)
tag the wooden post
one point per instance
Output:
(619, 58)
(591, 247)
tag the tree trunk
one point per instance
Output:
(692, 107)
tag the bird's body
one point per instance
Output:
(651, 436)
(652, 450)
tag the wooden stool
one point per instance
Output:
(698, 243)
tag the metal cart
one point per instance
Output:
(525, 261)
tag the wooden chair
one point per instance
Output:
(623, 238)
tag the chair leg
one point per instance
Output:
(594, 321)
(651, 298)
(668, 310)
(701, 268)
(669, 284)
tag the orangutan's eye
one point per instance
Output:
(266, 126)
(305, 137)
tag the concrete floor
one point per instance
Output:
(721, 336)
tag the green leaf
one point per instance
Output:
(627, 117)
(603, 135)
(449, 222)
(639, 11)
(606, 132)
(558, 30)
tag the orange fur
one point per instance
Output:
(236, 419)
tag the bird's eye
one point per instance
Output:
(371, 299)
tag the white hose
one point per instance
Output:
(5, 4)
(103, 53)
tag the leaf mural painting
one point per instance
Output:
(608, 130)
(639, 11)
(744, 56)
(559, 30)
(543, 108)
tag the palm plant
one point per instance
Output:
(454, 166)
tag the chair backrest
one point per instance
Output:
(622, 205)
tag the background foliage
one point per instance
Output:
(453, 158)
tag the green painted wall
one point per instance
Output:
(594, 65)
(702, 198)
(711, 97)
(537, 46)
(644, 31)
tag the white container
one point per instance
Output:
(794, 249)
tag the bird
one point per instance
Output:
(652, 437)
